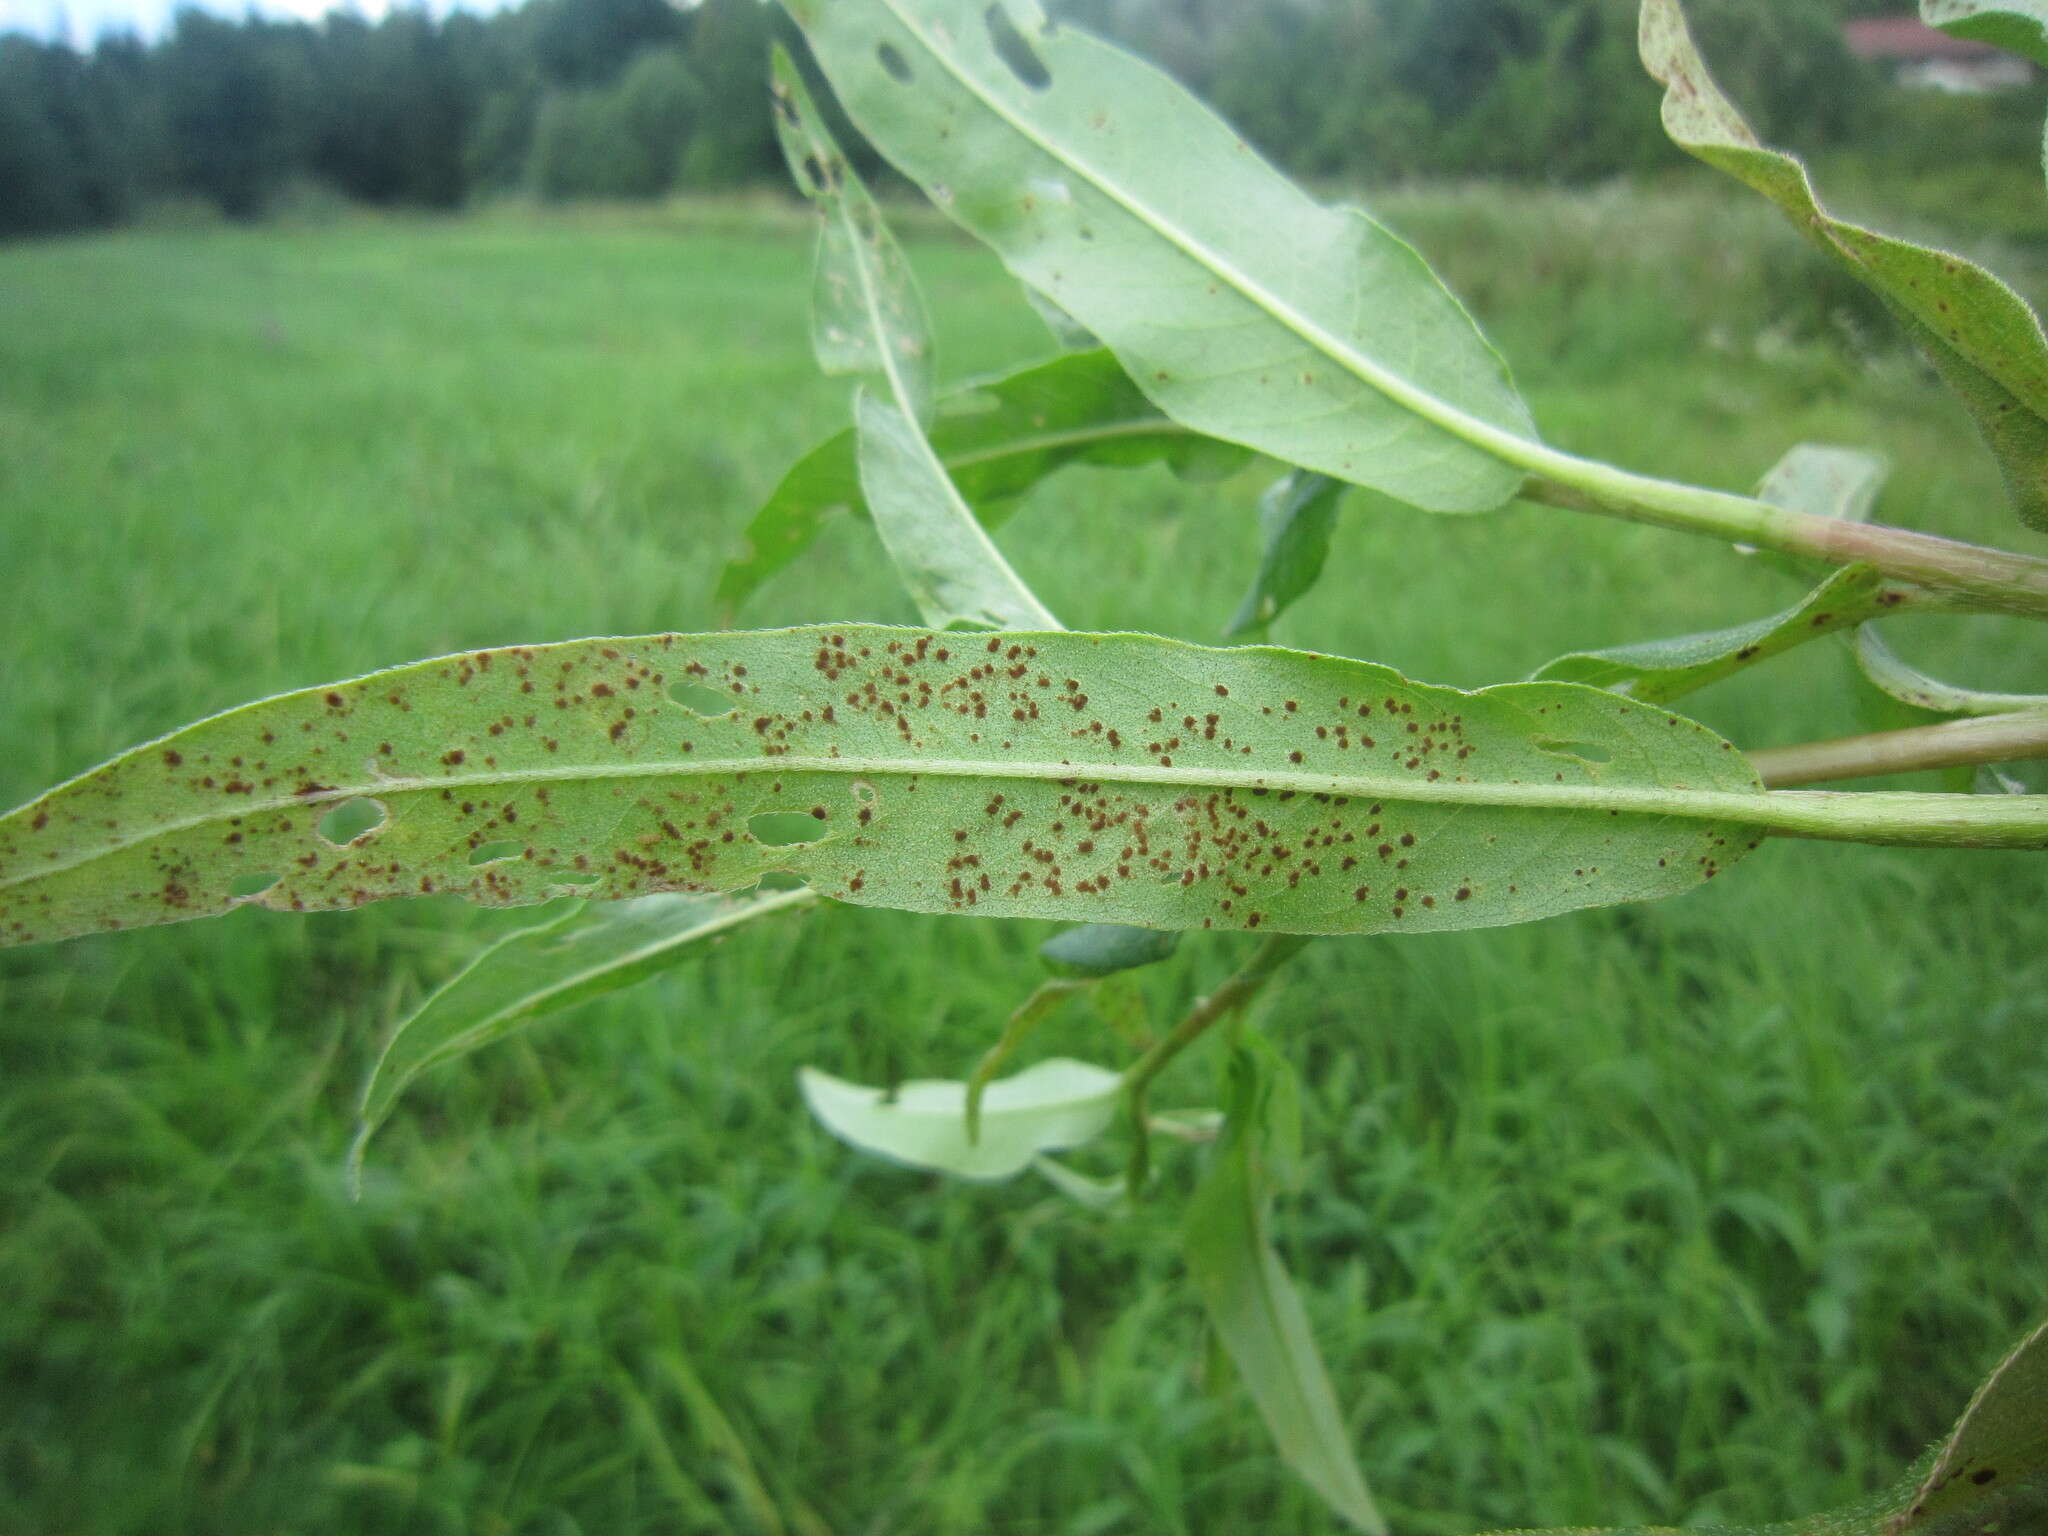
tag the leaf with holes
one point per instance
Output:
(584, 952)
(1979, 334)
(868, 319)
(1296, 516)
(1083, 777)
(867, 315)
(996, 438)
(1253, 1306)
(1046, 1107)
(1242, 307)
(1830, 482)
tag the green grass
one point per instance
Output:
(1714, 1209)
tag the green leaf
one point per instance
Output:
(867, 315)
(1988, 1478)
(1106, 778)
(944, 558)
(1909, 685)
(1992, 1472)
(1242, 307)
(1093, 1194)
(1253, 1307)
(2018, 26)
(1295, 518)
(997, 438)
(1103, 949)
(1979, 334)
(581, 953)
(1659, 671)
(1049, 1105)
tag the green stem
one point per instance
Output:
(2002, 738)
(1993, 579)
(1048, 996)
(1237, 990)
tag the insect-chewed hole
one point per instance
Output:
(351, 821)
(700, 700)
(492, 852)
(863, 792)
(1013, 50)
(1584, 751)
(242, 887)
(783, 829)
(577, 879)
(894, 62)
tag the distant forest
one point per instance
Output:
(562, 99)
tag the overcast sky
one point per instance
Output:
(84, 20)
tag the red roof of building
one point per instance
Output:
(1903, 37)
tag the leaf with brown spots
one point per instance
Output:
(1093, 778)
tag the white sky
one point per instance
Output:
(83, 20)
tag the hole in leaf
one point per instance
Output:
(1584, 751)
(351, 821)
(491, 852)
(782, 829)
(782, 880)
(1013, 50)
(700, 700)
(863, 792)
(576, 880)
(894, 62)
(242, 887)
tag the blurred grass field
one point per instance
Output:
(1709, 1210)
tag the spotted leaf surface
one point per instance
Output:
(1979, 334)
(996, 438)
(1086, 777)
(1241, 306)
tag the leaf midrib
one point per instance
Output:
(1482, 435)
(1702, 805)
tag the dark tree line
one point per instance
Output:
(638, 98)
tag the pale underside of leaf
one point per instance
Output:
(1100, 778)
(584, 952)
(996, 438)
(1242, 307)
(1049, 1106)
(1981, 336)
(943, 556)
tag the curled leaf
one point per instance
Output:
(1048, 1106)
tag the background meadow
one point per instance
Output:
(1714, 1209)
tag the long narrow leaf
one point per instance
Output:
(1253, 1306)
(2018, 26)
(1102, 778)
(1909, 685)
(1242, 307)
(996, 439)
(944, 558)
(584, 952)
(869, 319)
(1295, 518)
(1977, 332)
(1826, 481)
